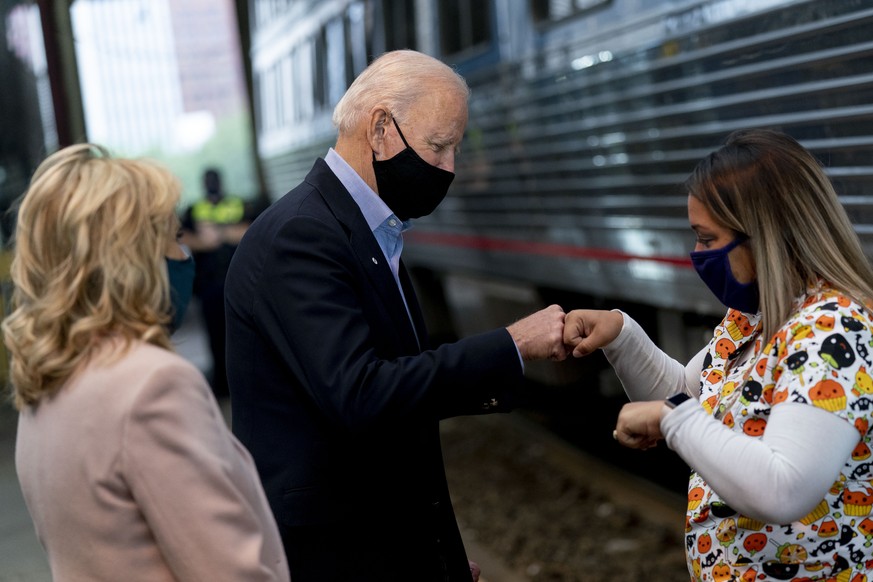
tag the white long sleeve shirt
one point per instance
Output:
(788, 455)
(778, 435)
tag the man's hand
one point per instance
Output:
(587, 330)
(541, 335)
(639, 424)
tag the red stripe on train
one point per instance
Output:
(486, 243)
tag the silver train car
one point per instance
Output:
(585, 118)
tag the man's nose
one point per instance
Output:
(448, 162)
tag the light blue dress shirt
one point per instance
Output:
(386, 227)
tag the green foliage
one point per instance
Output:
(230, 149)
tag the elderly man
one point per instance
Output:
(334, 389)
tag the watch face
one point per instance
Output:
(677, 399)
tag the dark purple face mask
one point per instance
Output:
(714, 268)
(410, 186)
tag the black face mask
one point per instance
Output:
(410, 186)
(714, 267)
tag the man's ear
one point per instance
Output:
(377, 129)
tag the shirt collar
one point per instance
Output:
(374, 209)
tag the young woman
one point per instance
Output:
(126, 465)
(774, 415)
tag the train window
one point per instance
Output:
(257, 93)
(336, 61)
(269, 102)
(399, 24)
(464, 24)
(304, 80)
(553, 10)
(285, 89)
(266, 11)
(283, 79)
(319, 79)
(356, 41)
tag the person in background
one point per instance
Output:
(126, 464)
(212, 229)
(334, 386)
(774, 415)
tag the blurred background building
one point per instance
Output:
(164, 79)
(156, 78)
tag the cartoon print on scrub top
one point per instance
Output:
(821, 357)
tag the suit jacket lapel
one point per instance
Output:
(367, 250)
(414, 307)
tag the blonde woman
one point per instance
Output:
(774, 415)
(126, 465)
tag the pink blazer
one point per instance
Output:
(130, 473)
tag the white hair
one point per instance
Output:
(397, 80)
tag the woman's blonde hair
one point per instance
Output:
(89, 264)
(766, 185)
(397, 80)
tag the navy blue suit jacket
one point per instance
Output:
(332, 393)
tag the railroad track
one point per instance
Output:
(547, 511)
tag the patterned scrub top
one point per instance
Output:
(822, 357)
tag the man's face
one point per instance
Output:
(434, 128)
